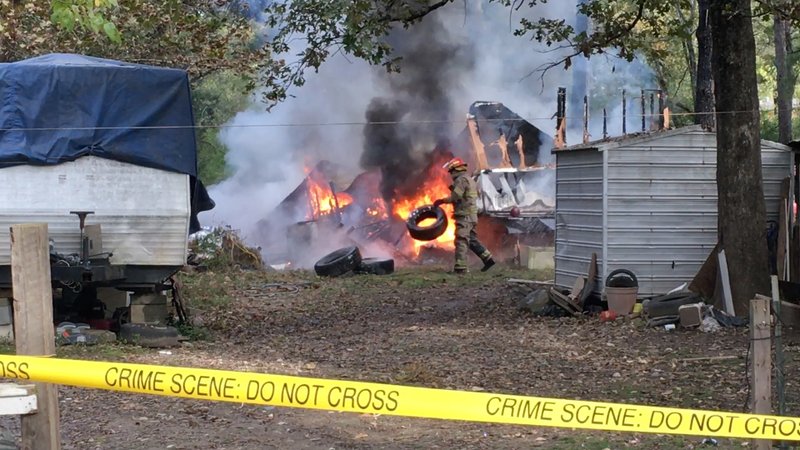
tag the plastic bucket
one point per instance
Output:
(622, 288)
(621, 299)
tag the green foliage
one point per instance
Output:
(206, 290)
(215, 100)
(769, 125)
(88, 14)
(211, 165)
(191, 331)
(210, 249)
(623, 27)
(196, 35)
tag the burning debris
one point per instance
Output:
(516, 202)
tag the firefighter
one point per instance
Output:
(463, 197)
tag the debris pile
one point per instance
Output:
(222, 247)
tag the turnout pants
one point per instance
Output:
(467, 239)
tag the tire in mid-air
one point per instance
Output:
(429, 231)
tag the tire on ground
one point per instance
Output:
(376, 266)
(149, 335)
(427, 232)
(339, 262)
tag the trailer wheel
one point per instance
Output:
(376, 266)
(427, 232)
(338, 263)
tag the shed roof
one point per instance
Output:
(643, 137)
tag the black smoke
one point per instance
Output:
(416, 117)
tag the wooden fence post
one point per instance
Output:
(33, 327)
(761, 354)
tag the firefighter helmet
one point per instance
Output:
(455, 164)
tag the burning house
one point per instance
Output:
(516, 190)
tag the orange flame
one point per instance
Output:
(436, 186)
(321, 198)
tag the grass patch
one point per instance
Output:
(192, 332)
(422, 277)
(207, 290)
(111, 351)
(7, 347)
(108, 352)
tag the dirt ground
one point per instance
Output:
(419, 327)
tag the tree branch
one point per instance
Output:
(417, 15)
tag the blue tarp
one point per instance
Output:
(60, 107)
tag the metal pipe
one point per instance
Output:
(624, 113)
(561, 107)
(652, 109)
(585, 119)
(644, 113)
(605, 124)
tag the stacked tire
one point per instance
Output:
(349, 260)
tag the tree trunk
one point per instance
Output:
(741, 209)
(704, 88)
(785, 84)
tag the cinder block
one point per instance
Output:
(149, 314)
(148, 299)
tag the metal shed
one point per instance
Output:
(646, 203)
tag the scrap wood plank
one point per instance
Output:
(564, 302)
(577, 288)
(591, 280)
(705, 281)
(534, 282)
(761, 364)
(33, 327)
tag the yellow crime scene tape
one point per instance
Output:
(409, 401)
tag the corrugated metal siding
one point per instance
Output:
(579, 213)
(662, 206)
(143, 212)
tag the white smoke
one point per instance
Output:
(267, 152)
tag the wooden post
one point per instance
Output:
(33, 327)
(761, 354)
